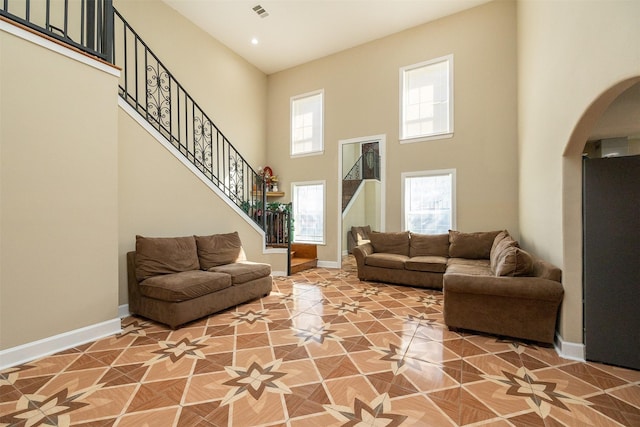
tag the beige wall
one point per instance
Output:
(58, 194)
(361, 88)
(158, 195)
(161, 197)
(229, 90)
(372, 210)
(365, 210)
(574, 58)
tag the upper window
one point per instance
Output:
(429, 201)
(308, 212)
(426, 104)
(307, 124)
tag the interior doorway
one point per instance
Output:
(610, 115)
(611, 267)
(362, 162)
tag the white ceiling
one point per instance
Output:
(299, 31)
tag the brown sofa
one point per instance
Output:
(175, 280)
(490, 284)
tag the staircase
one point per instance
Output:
(151, 89)
(349, 188)
(97, 28)
(352, 180)
(302, 257)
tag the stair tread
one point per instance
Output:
(297, 260)
(306, 264)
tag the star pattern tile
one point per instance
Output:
(324, 349)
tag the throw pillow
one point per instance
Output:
(496, 251)
(390, 243)
(428, 245)
(219, 249)
(501, 235)
(514, 261)
(361, 233)
(165, 255)
(471, 245)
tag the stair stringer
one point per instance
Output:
(353, 198)
(174, 151)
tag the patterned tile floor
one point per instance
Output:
(324, 349)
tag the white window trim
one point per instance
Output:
(324, 210)
(434, 172)
(442, 135)
(291, 100)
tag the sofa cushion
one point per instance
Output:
(514, 261)
(471, 245)
(428, 245)
(471, 269)
(243, 272)
(184, 286)
(386, 260)
(466, 261)
(219, 249)
(496, 251)
(501, 235)
(361, 234)
(165, 255)
(390, 243)
(433, 264)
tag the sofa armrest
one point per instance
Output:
(519, 307)
(360, 253)
(510, 287)
(351, 241)
(133, 287)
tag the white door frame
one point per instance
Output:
(382, 144)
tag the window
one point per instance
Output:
(308, 212)
(429, 201)
(426, 104)
(307, 124)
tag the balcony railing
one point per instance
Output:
(84, 24)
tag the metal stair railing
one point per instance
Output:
(149, 87)
(97, 28)
(352, 180)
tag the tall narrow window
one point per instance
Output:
(429, 201)
(307, 124)
(426, 105)
(308, 212)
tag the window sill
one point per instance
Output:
(311, 153)
(426, 138)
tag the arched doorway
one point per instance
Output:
(572, 186)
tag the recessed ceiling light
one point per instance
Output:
(254, 41)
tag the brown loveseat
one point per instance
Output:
(490, 284)
(175, 280)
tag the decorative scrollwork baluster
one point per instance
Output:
(236, 175)
(158, 95)
(202, 143)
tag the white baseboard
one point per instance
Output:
(569, 350)
(123, 311)
(328, 264)
(47, 346)
(279, 273)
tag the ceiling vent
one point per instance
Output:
(262, 13)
